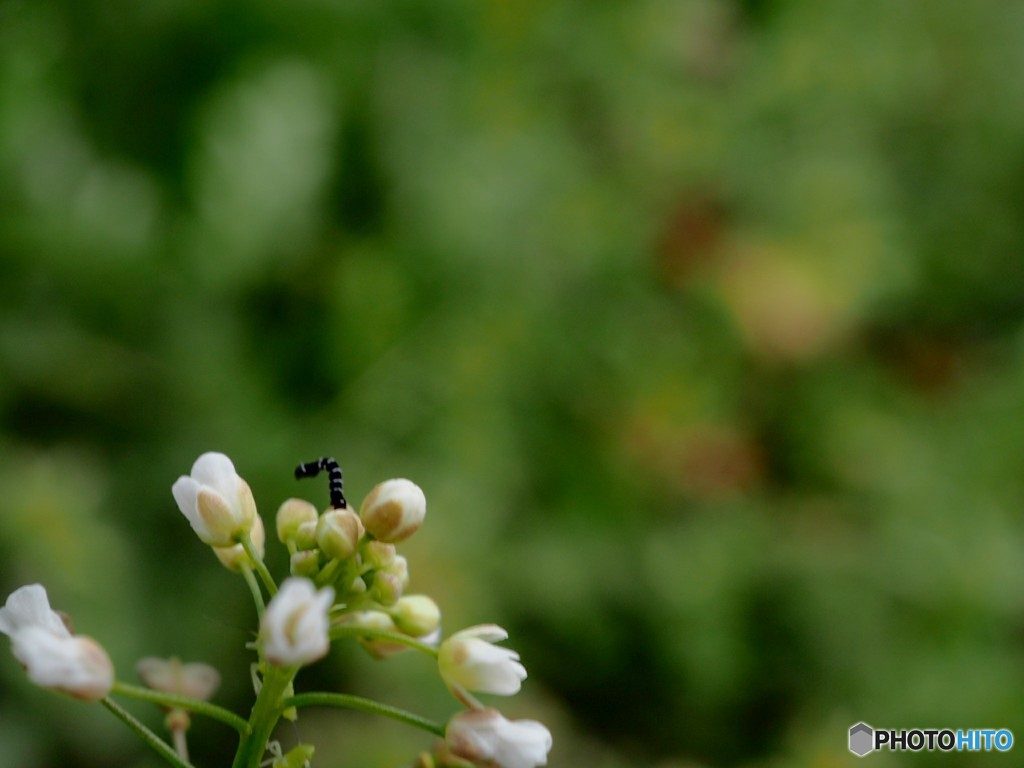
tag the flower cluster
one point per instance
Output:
(347, 580)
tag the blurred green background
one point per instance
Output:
(700, 323)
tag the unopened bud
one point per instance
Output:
(358, 586)
(290, 515)
(400, 568)
(338, 533)
(217, 502)
(305, 536)
(387, 587)
(394, 510)
(226, 519)
(416, 615)
(305, 563)
(377, 554)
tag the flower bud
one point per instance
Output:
(470, 660)
(377, 554)
(290, 515)
(387, 588)
(338, 533)
(400, 568)
(233, 558)
(416, 615)
(216, 501)
(486, 738)
(294, 629)
(305, 563)
(305, 535)
(394, 510)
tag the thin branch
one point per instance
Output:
(347, 701)
(155, 742)
(170, 700)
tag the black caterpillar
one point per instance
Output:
(312, 469)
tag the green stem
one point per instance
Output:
(268, 581)
(345, 630)
(254, 588)
(170, 700)
(329, 574)
(265, 714)
(347, 701)
(154, 741)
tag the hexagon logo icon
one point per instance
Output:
(862, 739)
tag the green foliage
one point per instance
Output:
(698, 322)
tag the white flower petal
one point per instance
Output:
(29, 606)
(76, 665)
(195, 680)
(485, 737)
(491, 633)
(218, 472)
(186, 493)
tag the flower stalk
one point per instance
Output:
(265, 714)
(157, 744)
(174, 701)
(348, 701)
(257, 563)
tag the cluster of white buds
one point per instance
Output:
(355, 554)
(346, 580)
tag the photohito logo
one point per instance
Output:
(864, 739)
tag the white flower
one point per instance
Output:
(295, 624)
(217, 502)
(394, 510)
(51, 655)
(469, 659)
(487, 739)
(195, 679)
